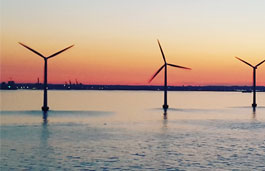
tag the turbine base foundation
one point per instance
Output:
(45, 108)
(165, 107)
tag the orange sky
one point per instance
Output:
(115, 42)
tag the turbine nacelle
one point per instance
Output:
(255, 67)
(53, 55)
(166, 64)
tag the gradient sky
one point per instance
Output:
(115, 40)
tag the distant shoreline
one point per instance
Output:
(38, 86)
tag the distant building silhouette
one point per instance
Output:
(10, 85)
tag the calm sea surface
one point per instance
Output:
(126, 130)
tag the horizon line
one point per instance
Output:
(184, 85)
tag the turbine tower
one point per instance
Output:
(165, 106)
(254, 105)
(45, 107)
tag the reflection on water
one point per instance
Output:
(126, 130)
(165, 121)
(254, 112)
(44, 150)
(165, 115)
(45, 117)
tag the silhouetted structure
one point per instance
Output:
(45, 87)
(80, 86)
(10, 85)
(165, 106)
(254, 104)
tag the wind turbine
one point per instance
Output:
(254, 105)
(45, 107)
(165, 106)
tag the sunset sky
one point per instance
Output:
(115, 40)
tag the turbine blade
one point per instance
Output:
(260, 63)
(57, 53)
(243, 61)
(156, 73)
(177, 66)
(34, 51)
(161, 51)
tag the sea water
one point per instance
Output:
(127, 130)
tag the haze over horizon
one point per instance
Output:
(115, 41)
